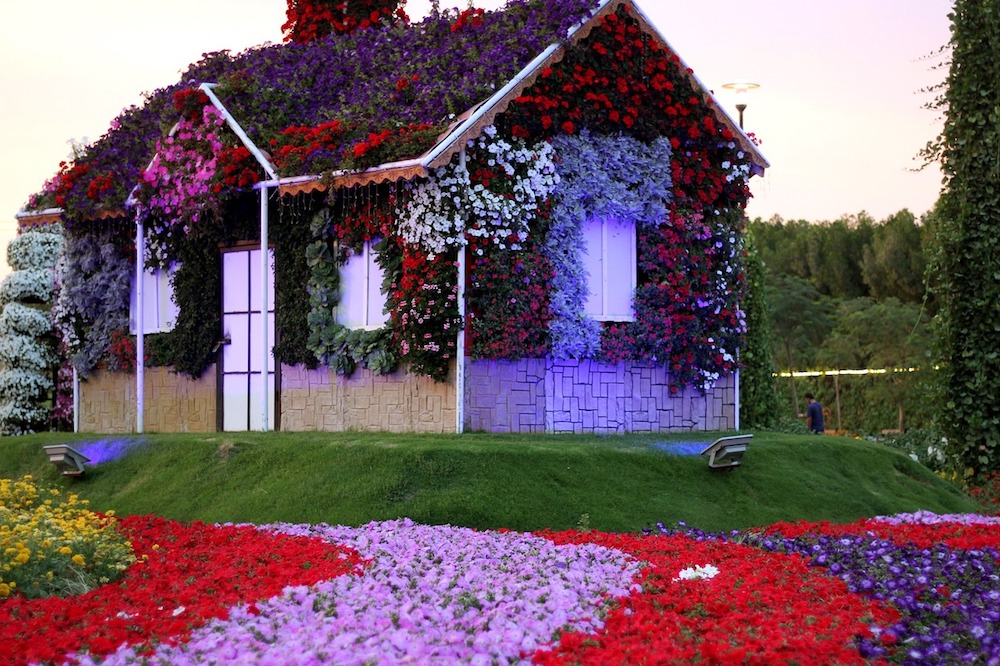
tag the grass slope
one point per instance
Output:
(491, 481)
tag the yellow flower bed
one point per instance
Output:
(51, 544)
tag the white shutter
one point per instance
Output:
(609, 257)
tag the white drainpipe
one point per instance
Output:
(76, 401)
(264, 350)
(140, 341)
(736, 425)
(460, 342)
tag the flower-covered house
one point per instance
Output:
(524, 220)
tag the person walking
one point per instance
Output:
(814, 415)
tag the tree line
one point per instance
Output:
(903, 293)
(850, 294)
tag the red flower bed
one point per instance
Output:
(952, 534)
(187, 575)
(761, 608)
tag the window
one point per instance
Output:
(362, 302)
(159, 312)
(609, 258)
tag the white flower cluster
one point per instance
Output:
(16, 418)
(446, 206)
(26, 352)
(15, 383)
(33, 249)
(27, 359)
(24, 319)
(739, 170)
(697, 572)
(33, 284)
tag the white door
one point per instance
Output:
(242, 357)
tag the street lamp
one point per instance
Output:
(741, 88)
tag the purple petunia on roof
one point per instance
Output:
(421, 74)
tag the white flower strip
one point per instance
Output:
(698, 572)
(432, 594)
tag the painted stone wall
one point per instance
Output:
(321, 400)
(174, 403)
(539, 395)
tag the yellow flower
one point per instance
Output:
(4, 590)
(78, 559)
(65, 550)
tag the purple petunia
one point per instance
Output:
(432, 594)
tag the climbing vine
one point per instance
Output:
(966, 262)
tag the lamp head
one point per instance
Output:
(67, 459)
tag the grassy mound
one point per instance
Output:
(619, 483)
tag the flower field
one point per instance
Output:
(916, 588)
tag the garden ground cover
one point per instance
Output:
(912, 588)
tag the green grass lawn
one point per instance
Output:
(522, 482)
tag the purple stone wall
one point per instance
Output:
(545, 395)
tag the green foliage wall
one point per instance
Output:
(967, 257)
(759, 401)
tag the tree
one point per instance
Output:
(888, 335)
(28, 358)
(967, 253)
(893, 263)
(800, 319)
(782, 245)
(834, 251)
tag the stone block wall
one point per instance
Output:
(540, 395)
(529, 396)
(174, 403)
(321, 400)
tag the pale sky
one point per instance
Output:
(839, 108)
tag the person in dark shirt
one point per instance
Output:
(814, 415)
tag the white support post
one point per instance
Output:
(736, 419)
(76, 401)
(140, 343)
(264, 351)
(460, 342)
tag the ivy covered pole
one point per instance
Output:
(967, 257)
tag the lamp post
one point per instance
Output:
(741, 88)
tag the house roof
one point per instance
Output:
(448, 76)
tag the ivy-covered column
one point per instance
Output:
(968, 253)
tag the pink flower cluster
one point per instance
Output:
(177, 186)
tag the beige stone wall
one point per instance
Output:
(174, 403)
(321, 400)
